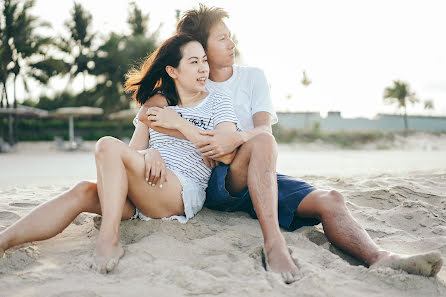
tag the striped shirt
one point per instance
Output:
(181, 154)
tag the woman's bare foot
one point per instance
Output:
(3, 247)
(278, 260)
(428, 264)
(106, 256)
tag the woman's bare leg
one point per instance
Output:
(52, 217)
(120, 171)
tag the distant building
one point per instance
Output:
(335, 122)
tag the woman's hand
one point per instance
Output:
(164, 117)
(155, 167)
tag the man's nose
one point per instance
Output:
(231, 44)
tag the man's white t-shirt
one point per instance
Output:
(249, 91)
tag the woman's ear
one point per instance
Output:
(171, 71)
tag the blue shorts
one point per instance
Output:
(291, 192)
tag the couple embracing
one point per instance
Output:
(203, 137)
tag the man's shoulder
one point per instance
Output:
(249, 71)
(216, 95)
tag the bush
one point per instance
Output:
(47, 129)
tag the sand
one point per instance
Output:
(218, 253)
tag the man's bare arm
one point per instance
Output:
(156, 100)
(262, 124)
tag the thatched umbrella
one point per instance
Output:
(126, 114)
(72, 112)
(25, 111)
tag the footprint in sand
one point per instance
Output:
(19, 259)
(82, 293)
(23, 204)
(9, 215)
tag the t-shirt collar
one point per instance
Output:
(229, 80)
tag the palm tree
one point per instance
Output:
(400, 94)
(23, 52)
(114, 58)
(79, 45)
(305, 80)
(429, 104)
(137, 20)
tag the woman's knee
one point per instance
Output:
(104, 145)
(85, 195)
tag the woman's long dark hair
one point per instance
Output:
(151, 77)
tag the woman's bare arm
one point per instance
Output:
(156, 100)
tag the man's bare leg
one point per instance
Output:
(344, 232)
(51, 218)
(254, 167)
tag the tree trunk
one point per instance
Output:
(1, 115)
(10, 132)
(406, 126)
(16, 116)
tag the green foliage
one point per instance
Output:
(92, 129)
(137, 20)
(344, 139)
(80, 44)
(400, 94)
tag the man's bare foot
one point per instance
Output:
(428, 264)
(278, 259)
(106, 256)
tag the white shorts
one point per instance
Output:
(193, 199)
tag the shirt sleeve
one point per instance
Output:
(261, 99)
(223, 110)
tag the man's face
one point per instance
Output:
(220, 47)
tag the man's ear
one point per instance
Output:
(171, 71)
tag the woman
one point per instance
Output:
(178, 174)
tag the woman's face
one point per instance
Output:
(193, 70)
(220, 47)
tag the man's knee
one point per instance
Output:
(263, 142)
(331, 201)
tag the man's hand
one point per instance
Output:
(155, 171)
(218, 144)
(164, 117)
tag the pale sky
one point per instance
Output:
(351, 50)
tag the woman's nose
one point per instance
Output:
(204, 67)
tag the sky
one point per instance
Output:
(350, 50)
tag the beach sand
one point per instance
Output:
(398, 196)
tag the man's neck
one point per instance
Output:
(220, 74)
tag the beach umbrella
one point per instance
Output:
(78, 112)
(126, 114)
(25, 111)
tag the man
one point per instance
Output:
(250, 183)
